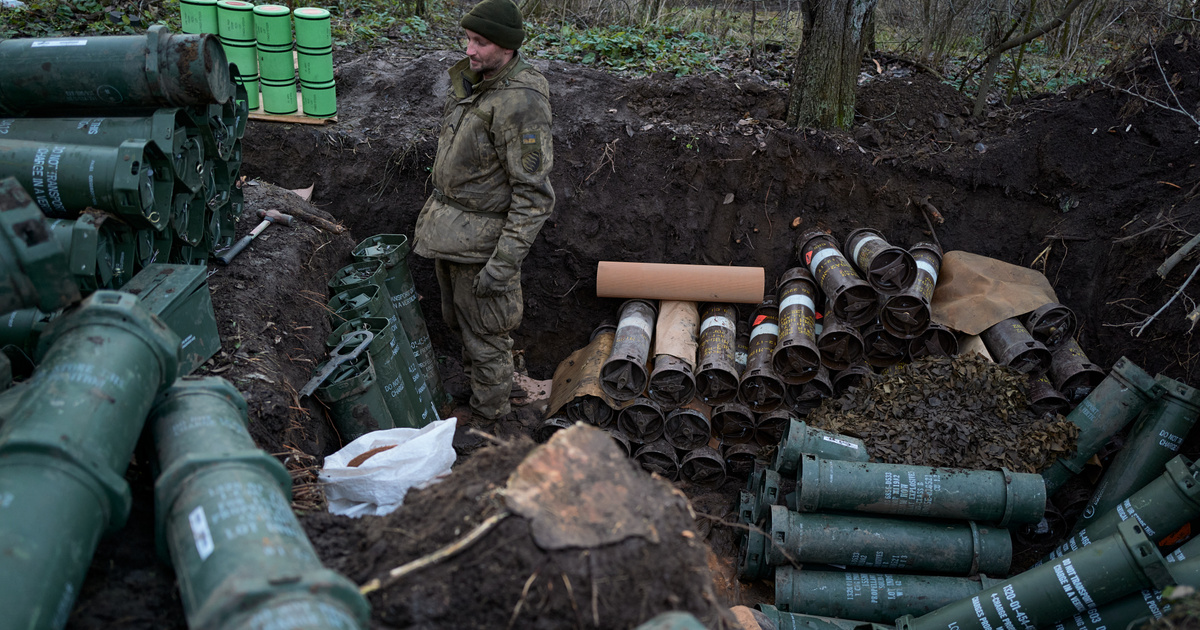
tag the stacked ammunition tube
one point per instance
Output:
(135, 163)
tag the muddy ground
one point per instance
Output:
(1094, 187)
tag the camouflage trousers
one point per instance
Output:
(483, 326)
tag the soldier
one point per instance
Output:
(490, 198)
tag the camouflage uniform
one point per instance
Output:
(491, 196)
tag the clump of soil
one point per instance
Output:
(963, 412)
(506, 579)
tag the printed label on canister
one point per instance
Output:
(717, 321)
(636, 321)
(928, 268)
(839, 441)
(819, 256)
(859, 246)
(200, 532)
(56, 43)
(799, 299)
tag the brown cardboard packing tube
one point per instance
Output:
(697, 283)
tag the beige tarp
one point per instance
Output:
(579, 374)
(676, 330)
(974, 292)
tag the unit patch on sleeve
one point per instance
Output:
(531, 152)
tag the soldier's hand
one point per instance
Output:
(487, 286)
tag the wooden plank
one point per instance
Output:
(298, 117)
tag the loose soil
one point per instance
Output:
(1094, 188)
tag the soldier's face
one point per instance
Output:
(486, 57)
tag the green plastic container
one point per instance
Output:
(799, 438)
(133, 180)
(279, 97)
(319, 99)
(316, 67)
(235, 21)
(1105, 571)
(198, 16)
(392, 250)
(313, 30)
(65, 446)
(875, 597)
(273, 25)
(179, 296)
(277, 65)
(391, 358)
(244, 55)
(223, 518)
(355, 401)
(796, 621)
(1154, 440)
(363, 300)
(158, 69)
(1115, 402)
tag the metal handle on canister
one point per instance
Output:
(990, 496)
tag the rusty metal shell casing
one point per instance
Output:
(688, 427)
(852, 376)
(1072, 373)
(857, 540)
(585, 401)
(881, 348)
(1012, 345)
(770, 426)
(802, 399)
(671, 381)
(854, 301)
(623, 376)
(642, 420)
(549, 427)
(742, 357)
(157, 69)
(936, 341)
(759, 388)
(703, 466)
(799, 438)
(1044, 398)
(1051, 324)
(622, 441)
(839, 342)
(796, 357)
(991, 496)
(906, 315)
(659, 458)
(739, 458)
(888, 269)
(717, 374)
(733, 423)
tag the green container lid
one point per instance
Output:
(312, 27)
(198, 16)
(235, 20)
(279, 97)
(273, 25)
(320, 99)
(315, 68)
(277, 65)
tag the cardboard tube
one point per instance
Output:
(697, 283)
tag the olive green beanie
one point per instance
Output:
(500, 21)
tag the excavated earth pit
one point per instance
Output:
(1094, 188)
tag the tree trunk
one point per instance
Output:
(827, 64)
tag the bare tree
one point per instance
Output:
(823, 81)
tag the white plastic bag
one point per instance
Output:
(378, 485)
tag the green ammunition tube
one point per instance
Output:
(877, 597)
(1105, 571)
(166, 128)
(64, 448)
(22, 328)
(319, 100)
(799, 438)
(959, 548)
(761, 492)
(198, 16)
(399, 376)
(1133, 610)
(91, 249)
(222, 517)
(794, 621)
(1161, 507)
(33, 264)
(133, 180)
(1153, 441)
(364, 300)
(355, 401)
(215, 126)
(1117, 400)
(392, 250)
(990, 496)
(158, 69)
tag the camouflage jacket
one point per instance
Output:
(491, 180)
